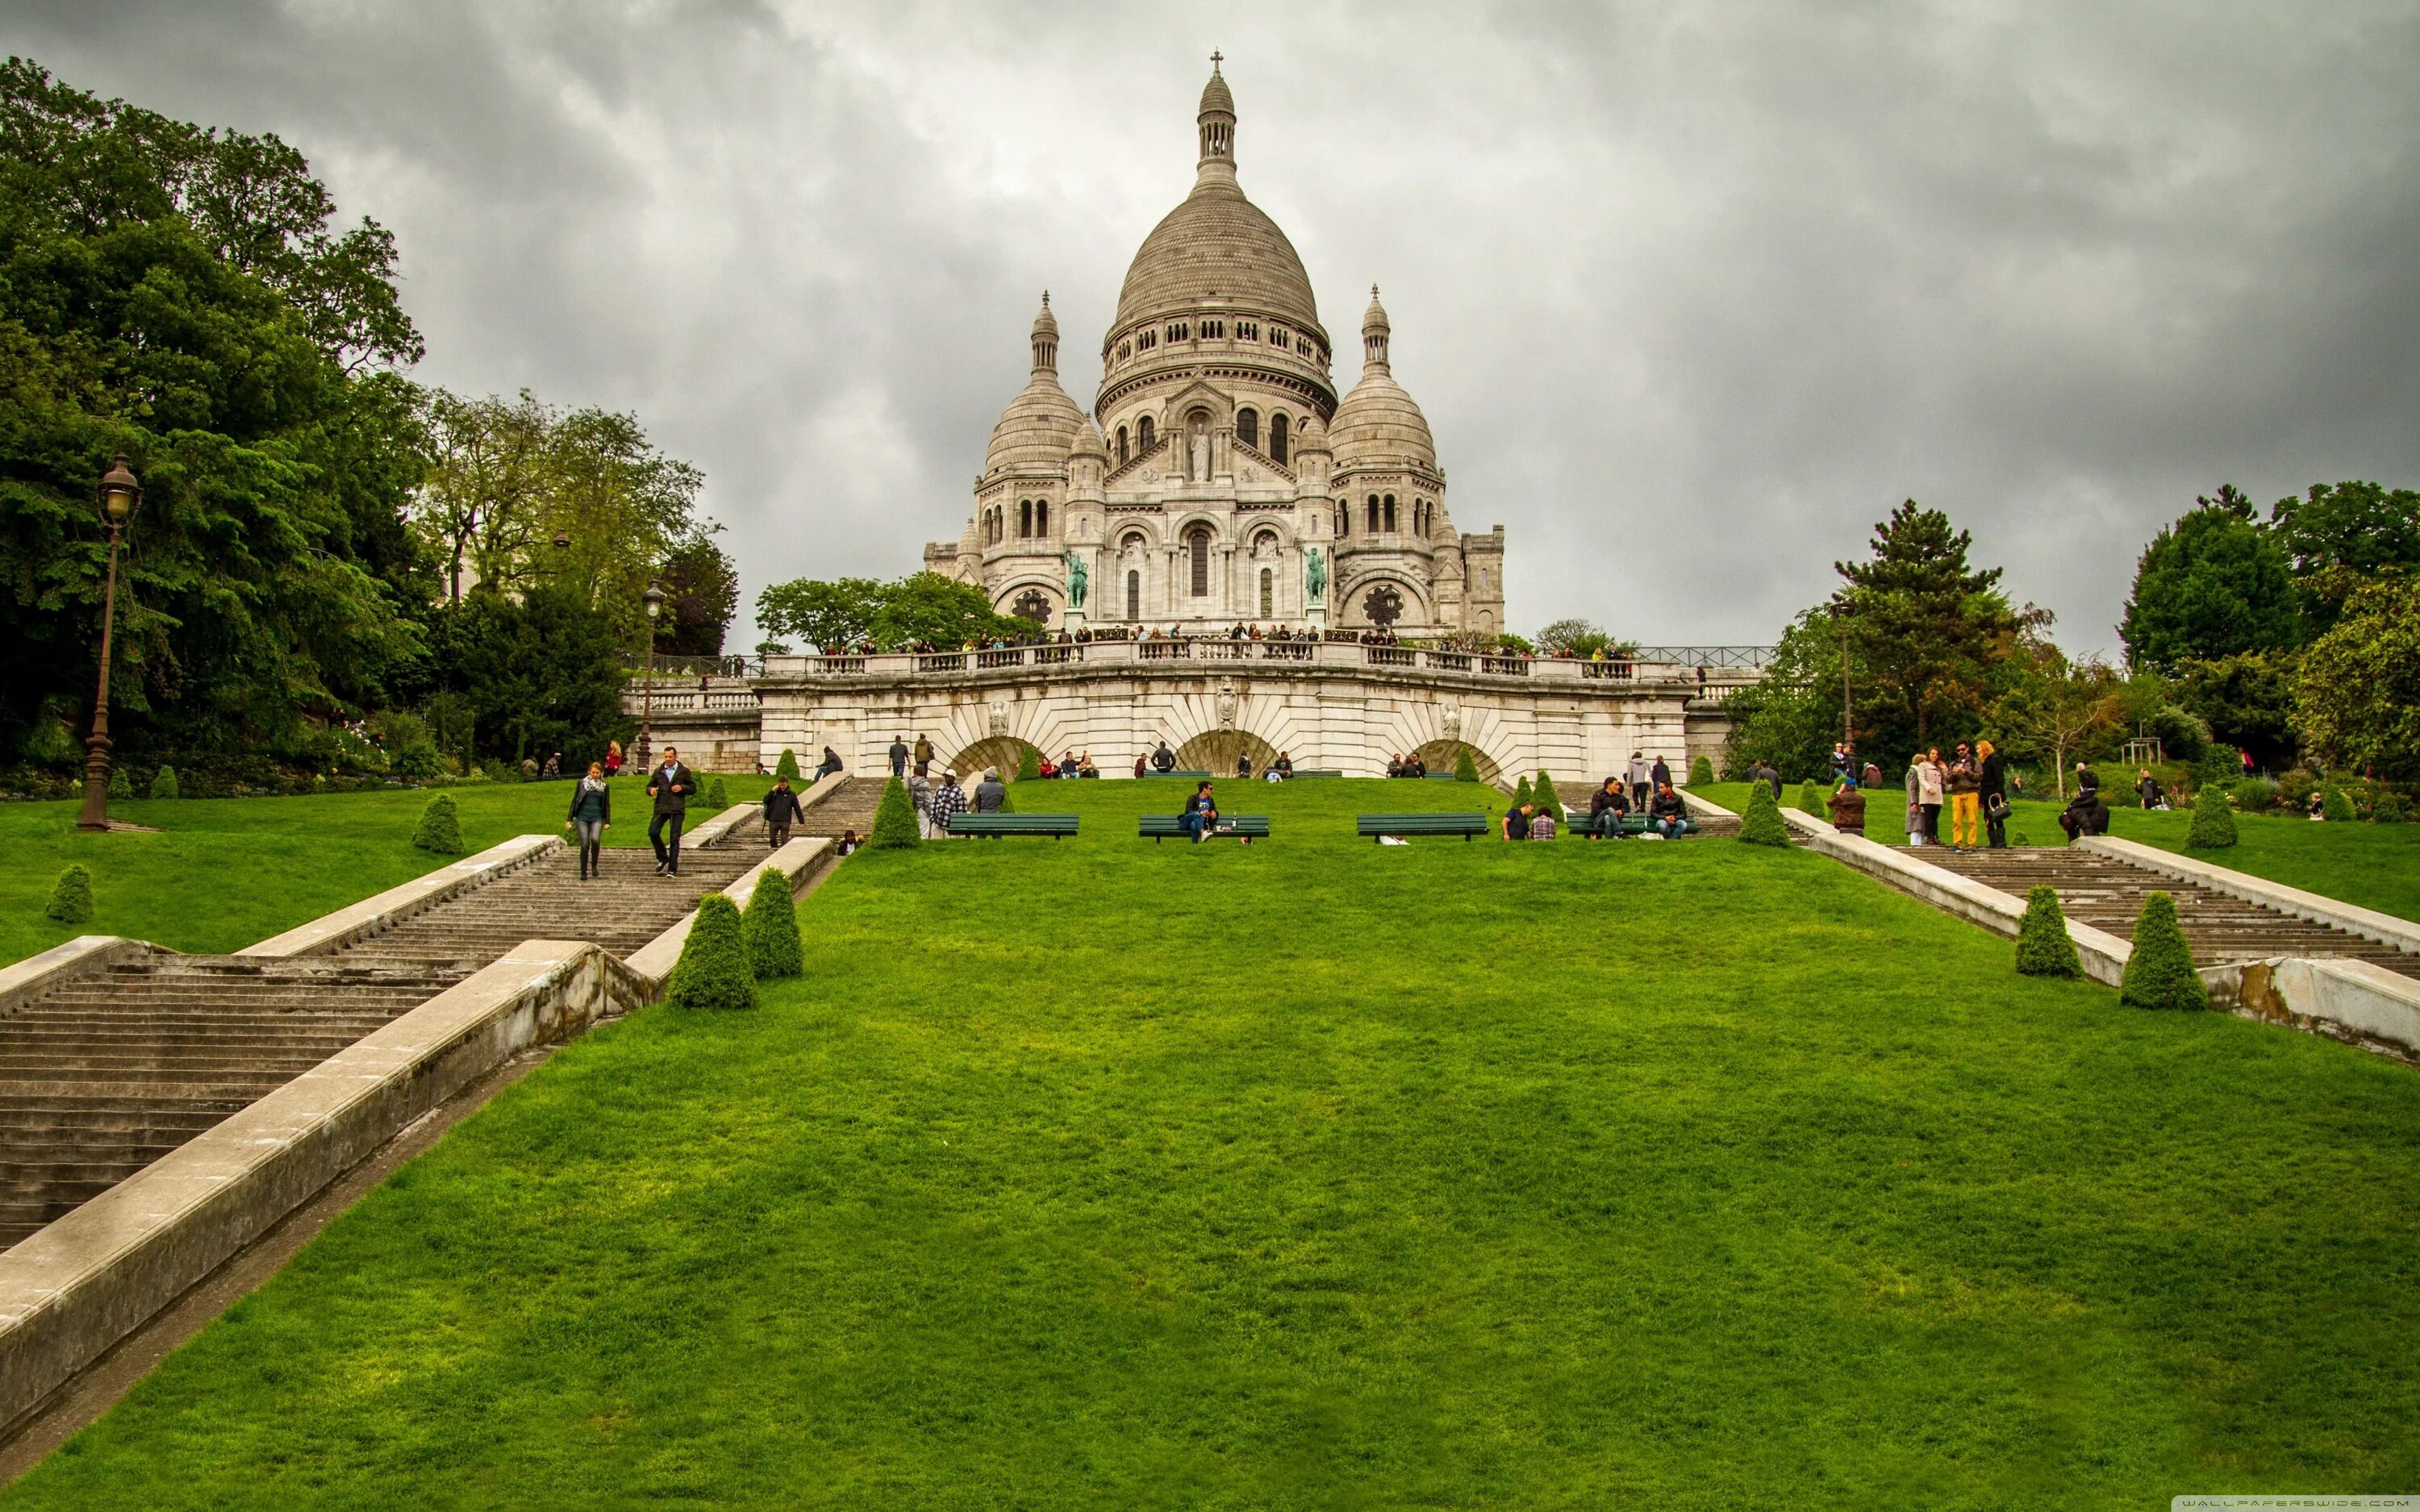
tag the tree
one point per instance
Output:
(2057, 705)
(713, 970)
(2357, 691)
(769, 926)
(2215, 583)
(788, 766)
(1925, 629)
(1792, 718)
(894, 819)
(2338, 535)
(441, 827)
(1464, 769)
(834, 615)
(2245, 701)
(1542, 794)
(2160, 974)
(2043, 945)
(923, 608)
(702, 593)
(71, 896)
(528, 678)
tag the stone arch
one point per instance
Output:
(1439, 756)
(1000, 752)
(1350, 601)
(1214, 751)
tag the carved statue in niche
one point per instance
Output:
(1450, 722)
(999, 713)
(1198, 468)
(1227, 707)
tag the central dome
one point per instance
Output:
(1217, 245)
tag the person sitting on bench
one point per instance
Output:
(1670, 815)
(1281, 768)
(1201, 812)
(1608, 806)
(1848, 809)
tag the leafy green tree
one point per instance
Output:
(702, 593)
(829, 614)
(2357, 691)
(2245, 701)
(120, 785)
(1926, 631)
(2339, 535)
(2215, 583)
(1029, 764)
(163, 783)
(2043, 945)
(713, 971)
(2056, 705)
(717, 797)
(2160, 974)
(769, 926)
(531, 677)
(71, 896)
(1792, 718)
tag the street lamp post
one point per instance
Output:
(654, 598)
(1839, 612)
(119, 494)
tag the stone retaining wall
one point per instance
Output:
(333, 932)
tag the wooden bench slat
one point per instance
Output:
(1160, 826)
(1378, 825)
(1056, 826)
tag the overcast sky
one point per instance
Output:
(1692, 294)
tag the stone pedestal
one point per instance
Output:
(1317, 615)
(1071, 619)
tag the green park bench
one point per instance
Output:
(1405, 825)
(1302, 773)
(1630, 823)
(1198, 777)
(1160, 826)
(993, 825)
(1441, 777)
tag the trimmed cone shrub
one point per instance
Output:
(1761, 825)
(788, 766)
(2214, 821)
(1464, 769)
(1701, 772)
(2043, 949)
(1542, 794)
(441, 827)
(771, 927)
(894, 822)
(1028, 764)
(2160, 974)
(2336, 808)
(164, 785)
(713, 968)
(1810, 799)
(72, 896)
(717, 797)
(120, 785)
(1521, 793)
(1008, 798)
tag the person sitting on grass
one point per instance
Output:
(1517, 821)
(1668, 813)
(1282, 768)
(949, 800)
(1395, 765)
(1244, 767)
(848, 842)
(1608, 806)
(1848, 807)
(1542, 823)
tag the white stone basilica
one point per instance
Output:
(1219, 478)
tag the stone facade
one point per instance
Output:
(1219, 478)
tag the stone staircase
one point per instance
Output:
(2107, 893)
(849, 806)
(107, 1072)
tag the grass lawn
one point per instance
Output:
(2374, 866)
(223, 873)
(1316, 1174)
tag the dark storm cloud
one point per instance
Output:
(1691, 294)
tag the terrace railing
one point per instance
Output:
(1714, 669)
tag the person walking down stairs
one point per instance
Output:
(591, 813)
(670, 785)
(781, 810)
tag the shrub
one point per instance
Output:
(1810, 799)
(164, 785)
(1464, 769)
(1542, 794)
(717, 797)
(1701, 772)
(418, 760)
(2295, 788)
(2390, 809)
(771, 927)
(787, 766)
(2160, 974)
(2254, 793)
(1521, 793)
(441, 827)
(71, 896)
(713, 972)
(1761, 825)
(2219, 763)
(2214, 821)
(120, 785)
(2336, 808)
(1028, 764)
(2043, 949)
(895, 821)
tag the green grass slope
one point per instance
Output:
(1097, 1173)
(225, 872)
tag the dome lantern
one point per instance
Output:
(1217, 121)
(1374, 330)
(1046, 338)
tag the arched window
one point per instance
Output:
(1277, 438)
(1344, 521)
(1142, 434)
(1374, 514)
(1196, 542)
(1122, 446)
(1134, 595)
(1390, 514)
(1024, 519)
(1247, 428)
(1042, 517)
(1268, 594)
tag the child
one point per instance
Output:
(848, 842)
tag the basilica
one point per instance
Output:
(1219, 478)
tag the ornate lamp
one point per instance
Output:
(119, 494)
(654, 599)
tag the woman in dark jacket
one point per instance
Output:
(592, 810)
(1995, 797)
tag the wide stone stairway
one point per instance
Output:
(2108, 894)
(106, 1073)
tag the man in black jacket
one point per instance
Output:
(1607, 807)
(670, 785)
(781, 810)
(1669, 814)
(1995, 797)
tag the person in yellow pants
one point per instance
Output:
(1965, 800)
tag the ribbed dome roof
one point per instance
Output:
(1089, 442)
(1378, 420)
(1037, 427)
(1216, 244)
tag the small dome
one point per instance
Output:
(1373, 319)
(1036, 428)
(1089, 442)
(1378, 422)
(1215, 95)
(1045, 324)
